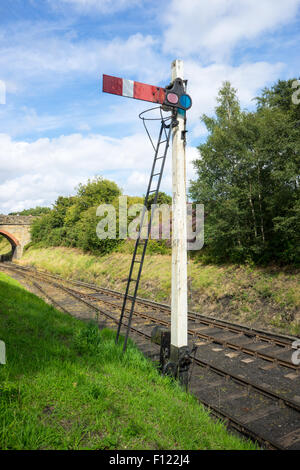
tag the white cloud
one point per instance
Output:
(204, 83)
(46, 56)
(212, 29)
(47, 168)
(37, 173)
(41, 58)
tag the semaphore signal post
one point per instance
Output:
(179, 307)
(173, 98)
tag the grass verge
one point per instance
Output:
(67, 386)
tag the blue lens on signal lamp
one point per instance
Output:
(185, 101)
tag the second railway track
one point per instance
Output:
(245, 376)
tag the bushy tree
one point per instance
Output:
(96, 191)
(248, 179)
(73, 220)
(87, 238)
(162, 198)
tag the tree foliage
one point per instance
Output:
(162, 198)
(73, 221)
(248, 178)
(36, 211)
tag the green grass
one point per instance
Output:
(5, 246)
(66, 385)
(266, 298)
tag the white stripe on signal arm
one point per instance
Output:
(128, 88)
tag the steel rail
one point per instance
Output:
(273, 338)
(211, 338)
(195, 333)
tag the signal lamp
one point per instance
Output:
(172, 98)
(185, 101)
(176, 96)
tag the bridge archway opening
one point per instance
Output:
(5, 253)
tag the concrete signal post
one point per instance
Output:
(179, 353)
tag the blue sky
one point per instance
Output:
(58, 129)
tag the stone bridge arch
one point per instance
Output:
(15, 245)
(16, 229)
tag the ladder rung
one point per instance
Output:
(152, 191)
(132, 280)
(156, 174)
(159, 158)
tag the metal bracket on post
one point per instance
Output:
(174, 362)
(180, 362)
(183, 135)
(162, 337)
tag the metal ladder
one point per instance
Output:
(138, 258)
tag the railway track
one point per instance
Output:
(258, 343)
(245, 376)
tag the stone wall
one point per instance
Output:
(16, 219)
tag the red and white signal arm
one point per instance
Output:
(132, 89)
(173, 96)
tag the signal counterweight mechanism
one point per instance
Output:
(175, 366)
